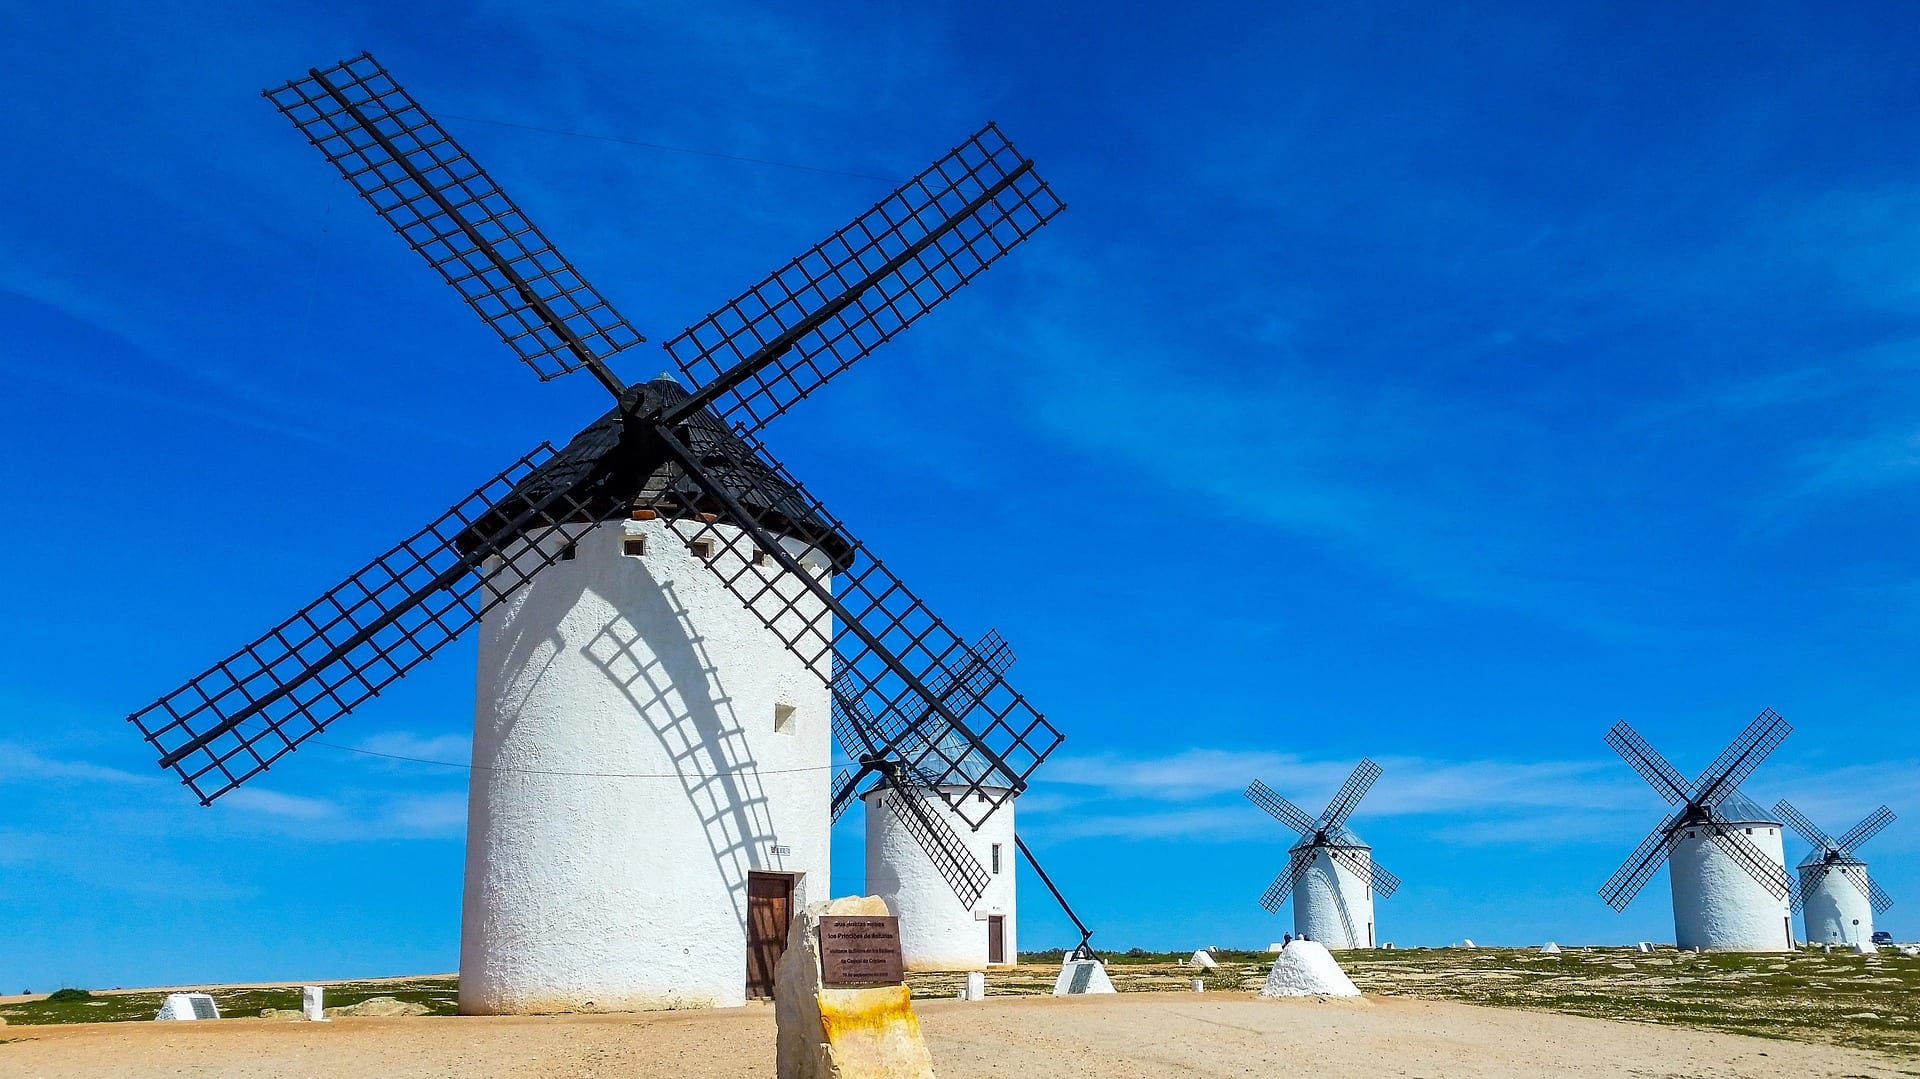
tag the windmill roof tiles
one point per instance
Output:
(609, 468)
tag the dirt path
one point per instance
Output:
(1118, 1037)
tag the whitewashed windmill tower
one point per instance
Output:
(1836, 898)
(1726, 854)
(663, 606)
(947, 875)
(1330, 871)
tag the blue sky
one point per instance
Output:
(1439, 387)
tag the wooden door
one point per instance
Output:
(769, 910)
(996, 938)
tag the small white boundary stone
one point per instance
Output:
(1550, 948)
(1306, 969)
(976, 985)
(311, 1004)
(1646, 946)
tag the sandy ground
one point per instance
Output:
(1135, 1034)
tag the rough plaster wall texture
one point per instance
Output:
(1833, 906)
(936, 932)
(1332, 905)
(1717, 905)
(625, 887)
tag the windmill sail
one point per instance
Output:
(234, 720)
(784, 338)
(1702, 808)
(439, 199)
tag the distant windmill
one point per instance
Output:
(950, 882)
(1330, 872)
(1836, 898)
(669, 621)
(1728, 864)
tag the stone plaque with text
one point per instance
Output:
(860, 951)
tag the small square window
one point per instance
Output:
(569, 552)
(759, 558)
(1749, 831)
(702, 549)
(783, 719)
(633, 546)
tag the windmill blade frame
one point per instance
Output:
(445, 206)
(1661, 775)
(1347, 798)
(1738, 760)
(1872, 825)
(781, 340)
(1634, 873)
(881, 640)
(1383, 883)
(943, 846)
(1276, 894)
(1876, 895)
(1746, 855)
(1808, 830)
(360, 636)
(1280, 809)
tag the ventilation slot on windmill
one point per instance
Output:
(673, 629)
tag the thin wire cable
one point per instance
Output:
(548, 772)
(670, 149)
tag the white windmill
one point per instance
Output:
(1836, 898)
(662, 604)
(1728, 863)
(948, 878)
(1330, 871)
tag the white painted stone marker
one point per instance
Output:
(1306, 969)
(1467, 943)
(1867, 947)
(1275, 946)
(976, 985)
(1550, 948)
(1199, 985)
(310, 1004)
(1082, 976)
(833, 1033)
(1646, 946)
(188, 1006)
(1201, 960)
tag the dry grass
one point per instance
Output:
(1870, 1002)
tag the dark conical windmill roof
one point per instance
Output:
(612, 463)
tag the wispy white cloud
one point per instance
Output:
(292, 807)
(456, 749)
(17, 762)
(1864, 462)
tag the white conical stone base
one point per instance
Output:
(1550, 948)
(1082, 976)
(1201, 960)
(1306, 969)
